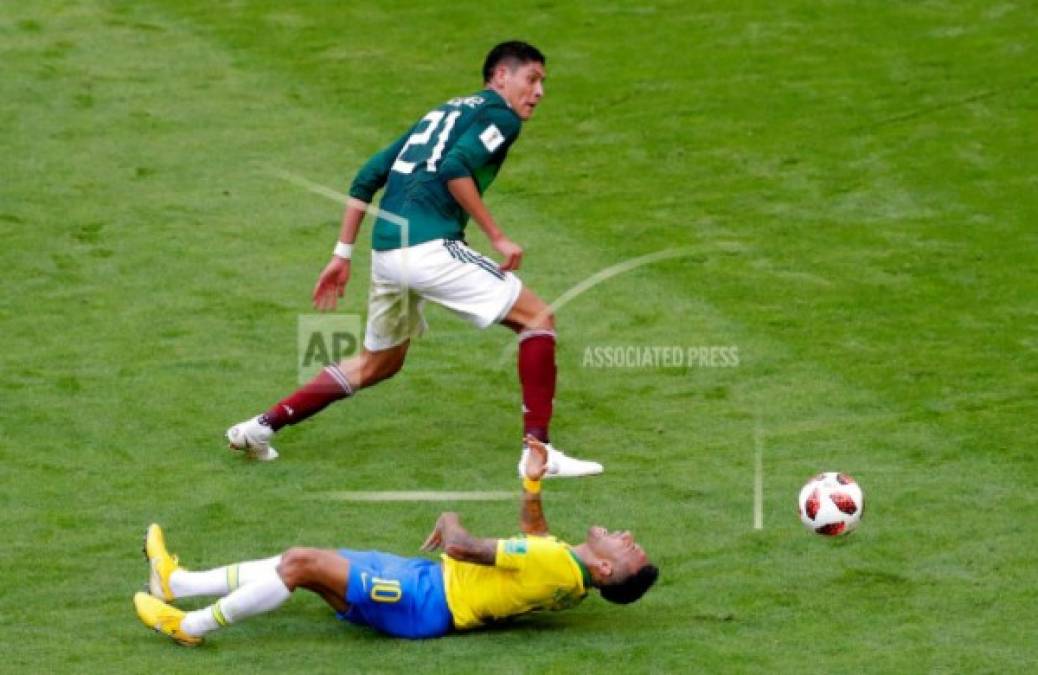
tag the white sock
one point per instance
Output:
(222, 580)
(260, 596)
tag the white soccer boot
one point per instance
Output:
(561, 465)
(253, 437)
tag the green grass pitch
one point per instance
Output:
(855, 185)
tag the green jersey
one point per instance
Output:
(466, 136)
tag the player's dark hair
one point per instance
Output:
(513, 53)
(631, 588)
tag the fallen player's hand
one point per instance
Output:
(435, 538)
(512, 252)
(537, 462)
(331, 285)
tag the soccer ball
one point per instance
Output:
(831, 504)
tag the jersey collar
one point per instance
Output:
(584, 573)
(498, 96)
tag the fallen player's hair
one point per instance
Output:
(512, 53)
(631, 588)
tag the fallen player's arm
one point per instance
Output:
(458, 543)
(531, 513)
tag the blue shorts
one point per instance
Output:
(403, 597)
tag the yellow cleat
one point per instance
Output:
(163, 618)
(162, 563)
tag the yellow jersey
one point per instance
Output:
(530, 573)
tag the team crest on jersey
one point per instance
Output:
(492, 138)
(515, 546)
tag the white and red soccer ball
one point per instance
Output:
(831, 504)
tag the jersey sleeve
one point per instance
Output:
(494, 131)
(373, 175)
(520, 553)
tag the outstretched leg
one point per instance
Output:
(325, 573)
(321, 571)
(221, 580)
(168, 581)
(333, 383)
(336, 382)
(534, 321)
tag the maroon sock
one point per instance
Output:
(328, 386)
(537, 375)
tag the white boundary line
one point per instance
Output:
(337, 196)
(370, 209)
(597, 278)
(758, 475)
(419, 496)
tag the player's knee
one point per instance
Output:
(298, 566)
(543, 320)
(530, 312)
(376, 370)
(393, 366)
(377, 366)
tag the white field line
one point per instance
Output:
(419, 496)
(599, 277)
(758, 476)
(370, 209)
(337, 196)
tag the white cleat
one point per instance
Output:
(254, 438)
(561, 465)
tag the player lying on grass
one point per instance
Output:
(476, 582)
(434, 177)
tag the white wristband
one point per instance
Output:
(342, 250)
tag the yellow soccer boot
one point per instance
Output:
(163, 618)
(162, 563)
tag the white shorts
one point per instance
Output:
(443, 271)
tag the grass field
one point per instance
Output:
(855, 185)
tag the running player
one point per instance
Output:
(434, 176)
(476, 582)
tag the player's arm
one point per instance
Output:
(474, 150)
(375, 172)
(331, 284)
(466, 193)
(458, 543)
(531, 513)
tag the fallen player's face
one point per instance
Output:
(619, 548)
(524, 88)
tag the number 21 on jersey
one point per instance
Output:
(421, 138)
